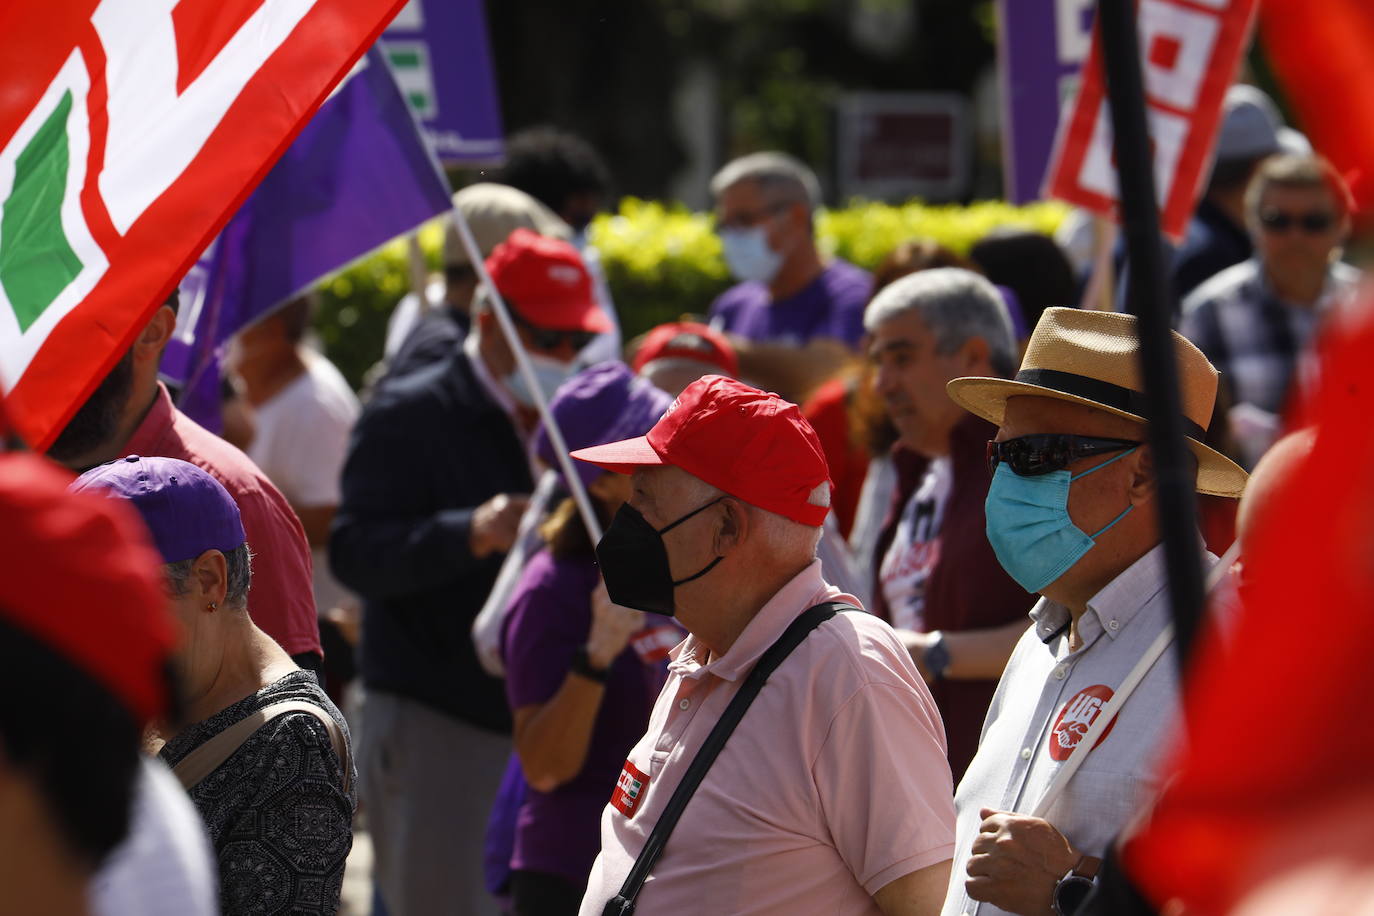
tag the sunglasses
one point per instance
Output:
(1314, 223)
(1030, 456)
(550, 339)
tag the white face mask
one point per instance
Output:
(748, 256)
(549, 373)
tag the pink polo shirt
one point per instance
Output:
(834, 784)
(281, 599)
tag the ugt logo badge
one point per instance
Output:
(1076, 718)
(629, 789)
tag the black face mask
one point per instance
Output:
(634, 561)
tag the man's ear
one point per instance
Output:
(975, 355)
(1143, 481)
(733, 528)
(148, 345)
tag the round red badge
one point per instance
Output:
(1076, 718)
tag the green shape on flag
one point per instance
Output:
(36, 260)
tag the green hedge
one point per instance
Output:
(661, 262)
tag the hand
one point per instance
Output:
(495, 522)
(1017, 861)
(612, 627)
(917, 644)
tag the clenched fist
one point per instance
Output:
(495, 523)
(612, 627)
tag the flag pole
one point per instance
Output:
(526, 369)
(1146, 299)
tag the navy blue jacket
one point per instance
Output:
(430, 447)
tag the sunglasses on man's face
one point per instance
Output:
(550, 340)
(1030, 456)
(1313, 223)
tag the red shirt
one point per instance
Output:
(281, 600)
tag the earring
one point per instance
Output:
(213, 605)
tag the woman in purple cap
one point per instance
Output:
(580, 689)
(266, 759)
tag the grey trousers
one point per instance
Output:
(428, 781)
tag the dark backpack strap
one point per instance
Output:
(623, 904)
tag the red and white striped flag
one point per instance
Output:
(130, 130)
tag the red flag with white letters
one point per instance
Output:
(130, 130)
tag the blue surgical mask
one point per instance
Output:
(548, 372)
(748, 256)
(1029, 527)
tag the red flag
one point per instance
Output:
(1320, 53)
(130, 130)
(1277, 773)
(1189, 55)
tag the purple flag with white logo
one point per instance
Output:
(357, 176)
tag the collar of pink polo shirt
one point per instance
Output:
(805, 590)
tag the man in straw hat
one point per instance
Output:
(1072, 515)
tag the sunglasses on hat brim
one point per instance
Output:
(1031, 456)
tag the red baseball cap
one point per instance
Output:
(86, 580)
(750, 443)
(546, 283)
(687, 340)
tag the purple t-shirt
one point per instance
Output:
(550, 616)
(832, 305)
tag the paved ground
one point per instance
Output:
(357, 883)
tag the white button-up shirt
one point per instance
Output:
(1047, 699)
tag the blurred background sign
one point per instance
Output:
(441, 55)
(896, 145)
(1043, 44)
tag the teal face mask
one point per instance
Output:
(1029, 527)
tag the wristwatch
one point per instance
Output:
(1075, 886)
(582, 665)
(936, 657)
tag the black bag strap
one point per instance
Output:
(623, 904)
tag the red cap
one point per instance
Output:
(749, 443)
(84, 579)
(687, 340)
(545, 281)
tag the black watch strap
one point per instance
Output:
(583, 667)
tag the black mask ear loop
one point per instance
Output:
(709, 566)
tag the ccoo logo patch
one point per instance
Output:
(1076, 718)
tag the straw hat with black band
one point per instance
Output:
(1092, 358)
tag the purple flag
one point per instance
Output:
(1041, 48)
(441, 57)
(356, 177)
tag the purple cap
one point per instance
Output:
(604, 403)
(187, 511)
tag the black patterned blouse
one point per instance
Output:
(278, 816)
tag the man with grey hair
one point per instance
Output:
(786, 297)
(937, 580)
(730, 491)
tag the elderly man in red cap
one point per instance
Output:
(832, 793)
(433, 490)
